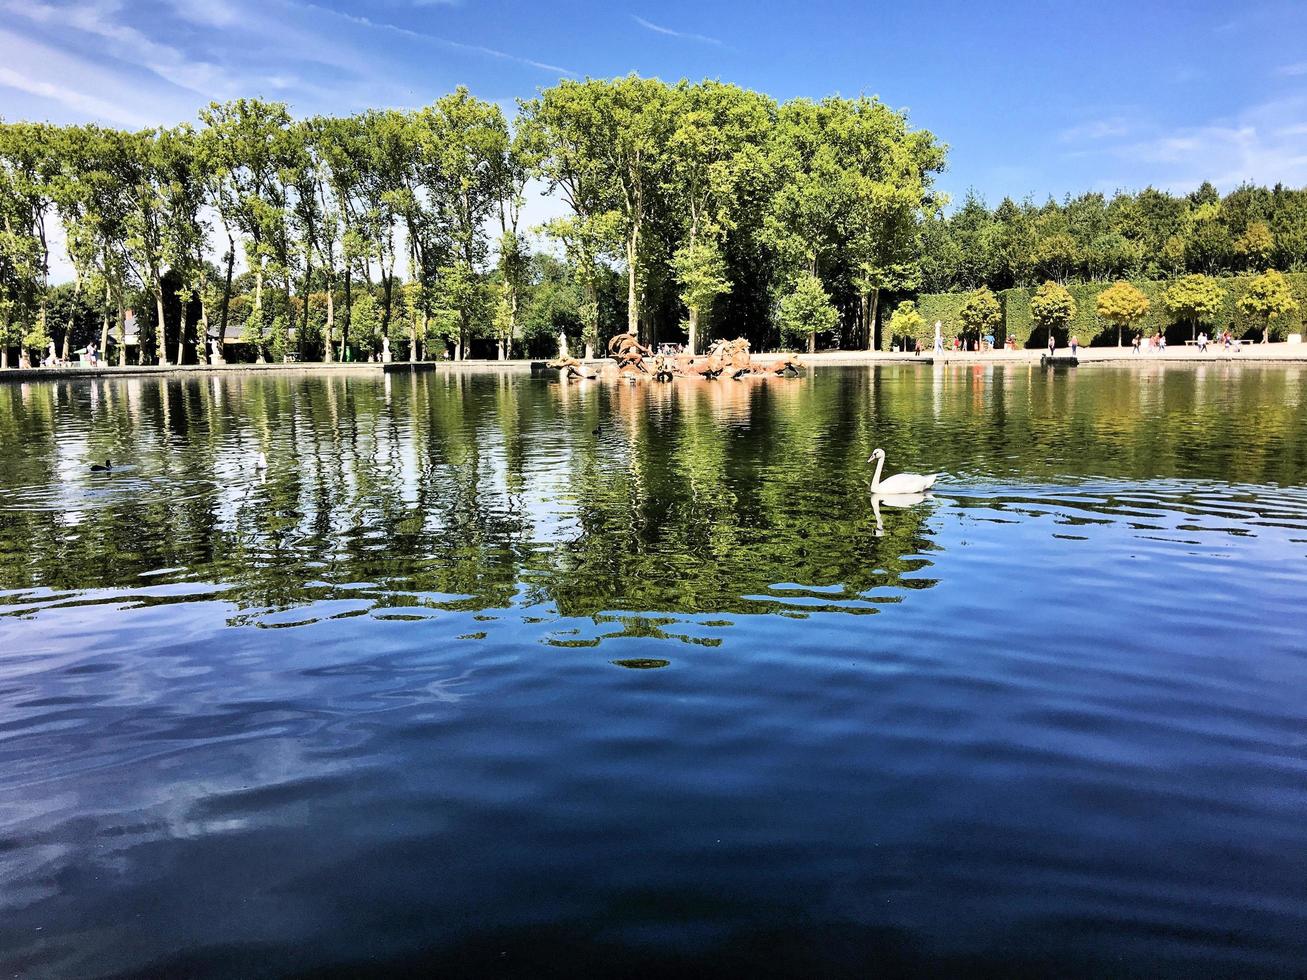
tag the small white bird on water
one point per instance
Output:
(899, 483)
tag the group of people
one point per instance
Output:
(1156, 343)
(52, 359)
(985, 343)
(1227, 339)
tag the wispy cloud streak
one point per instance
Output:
(378, 25)
(649, 25)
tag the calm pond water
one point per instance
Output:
(492, 675)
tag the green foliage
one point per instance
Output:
(980, 314)
(1093, 327)
(1150, 235)
(701, 196)
(1052, 308)
(806, 311)
(1270, 301)
(906, 323)
(1122, 305)
(701, 270)
(1195, 299)
(365, 324)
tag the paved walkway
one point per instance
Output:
(1278, 353)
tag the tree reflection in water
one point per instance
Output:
(485, 492)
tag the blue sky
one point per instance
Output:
(1033, 98)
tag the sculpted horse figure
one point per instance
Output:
(624, 343)
(788, 364)
(709, 368)
(571, 367)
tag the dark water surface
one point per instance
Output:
(493, 675)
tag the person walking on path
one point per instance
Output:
(939, 337)
(1052, 344)
(1075, 346)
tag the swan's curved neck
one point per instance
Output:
(875, 480)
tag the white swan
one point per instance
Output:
(899, 483)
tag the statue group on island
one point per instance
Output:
(725, 358)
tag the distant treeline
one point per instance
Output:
(693, 209)
(714, 203)
(1150, 235)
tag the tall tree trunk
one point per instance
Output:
(160, 338)
(202, 341)
(122, 334)
(304, 326)
(328, 337)
(694, 330)
(226, 292)
(812, 342)
(181, 335)
(72, 316)
(349, 315)
(104, 323)
(258, 312)
(871, 323)
(632, 301)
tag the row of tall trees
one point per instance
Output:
(1148, 235)
(331, 234)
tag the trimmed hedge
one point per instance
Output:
(1018, 323)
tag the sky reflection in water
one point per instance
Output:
(460, 676)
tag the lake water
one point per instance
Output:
(493, 675)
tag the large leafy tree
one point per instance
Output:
(906, 321)
(981, 314)
(852, 181)
(249, 141)
(1052, 308)
(606, 144)
(26, 174)
(465, 148)
(1270, 300)
(1123, 305)
(717, 145)
(1195, 299)
(805, 311)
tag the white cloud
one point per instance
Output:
(70, 97)
(434, 39)
(101, 20)
(1265, 144)
(684, 35)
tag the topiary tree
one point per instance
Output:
(1123, 305)
(905, 321)
(1195, 299)
(1269, 300)
(806, 311)
(981, 312)
(1052, 307)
